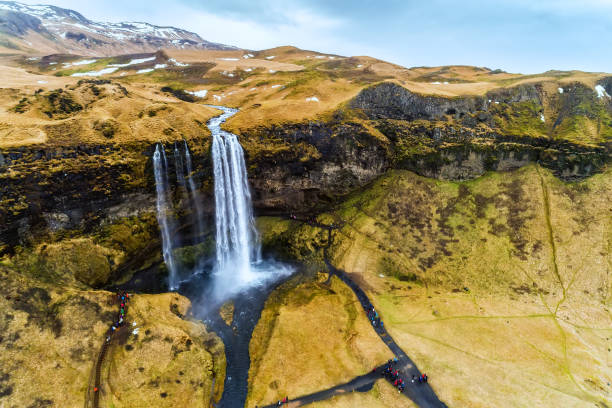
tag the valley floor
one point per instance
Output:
(508, 313)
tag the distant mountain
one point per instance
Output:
(49, 29)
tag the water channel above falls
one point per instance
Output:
(237, 273)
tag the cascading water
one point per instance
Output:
(238, 254)
(164, 212)
(235, 230)
(238, 266)
(238, 273)
(195, 195)
(178, 164)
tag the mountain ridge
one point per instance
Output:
(36, 29)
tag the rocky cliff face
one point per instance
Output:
(462, 137)
(452, 152)
(295, 167)
(299, 166)
(54, 189)
(391, 101)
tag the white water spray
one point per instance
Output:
(238, 255)
(195, 195)
(178, 166)
(164, 212)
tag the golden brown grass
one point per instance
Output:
(498, 287)
(145, 114)
(51, 336)
(382, 395)
(277, 105)
(309, 338)
(231, 60)
(266, 90)
(170, 362)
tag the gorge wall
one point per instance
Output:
(51, 192)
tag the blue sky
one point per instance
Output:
(525, 36)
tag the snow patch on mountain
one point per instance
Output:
(96, 73)
(114, 67)
(71, 31)
(82, 62)
(177, 63)
(200, 94)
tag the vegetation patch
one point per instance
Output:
(107, 127)
(180, 94)
(60, 102)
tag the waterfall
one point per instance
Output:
(164, 212)
(195, 195)
(178, 164)
(237, 263)
(237, 243)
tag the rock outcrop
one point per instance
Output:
(296, 167)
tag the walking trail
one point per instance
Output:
(420, 393)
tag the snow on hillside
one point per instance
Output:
(71, 30)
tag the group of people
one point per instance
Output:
(374, 318)
(394, 375)
(422, 378)
(123, 298)
(283, 401)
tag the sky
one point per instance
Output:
(526, 36)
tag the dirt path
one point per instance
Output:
(422, 394)
(359, 384)
(92, 398)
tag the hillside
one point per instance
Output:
(499, 286)
(471, 205)
(44, 29)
